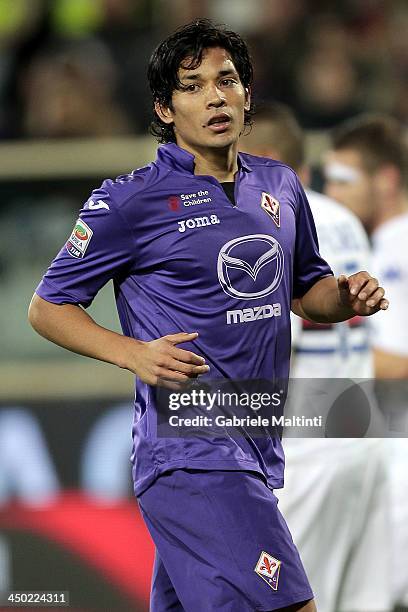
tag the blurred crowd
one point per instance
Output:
(77, 67)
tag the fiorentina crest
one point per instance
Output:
(272, 207)
(268, 568)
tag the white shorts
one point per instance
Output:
(336, 504)
(398, 461)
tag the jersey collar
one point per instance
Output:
(175, 157)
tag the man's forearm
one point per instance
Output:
(331, 300)
(390, 365)
(157, 362)
(321, 303)
(71, 327)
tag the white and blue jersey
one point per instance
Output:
(335, 350)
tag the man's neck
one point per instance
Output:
(219, 163)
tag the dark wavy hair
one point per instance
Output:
(191, 41)
(379, 140)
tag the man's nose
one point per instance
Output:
(216, 97)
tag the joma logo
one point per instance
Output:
(253, 314)
(197, 222)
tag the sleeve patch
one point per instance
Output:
(92, 205)
(79, 240)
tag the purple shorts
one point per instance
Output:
(221, 544)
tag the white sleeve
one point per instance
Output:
(390, 328)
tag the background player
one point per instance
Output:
(169, 266)
(366, 170)
(335, 495)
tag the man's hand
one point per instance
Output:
(361, 293)
(331, 301)
(160, 363)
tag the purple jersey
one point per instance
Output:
(183, 258)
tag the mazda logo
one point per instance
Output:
(250, 267)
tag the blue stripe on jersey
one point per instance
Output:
(326, 351)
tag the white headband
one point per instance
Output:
(341, 173)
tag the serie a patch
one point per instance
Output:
(268, 568)
(79, 240)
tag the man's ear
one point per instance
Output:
(247, 105)
(164, 113)
(387, 181)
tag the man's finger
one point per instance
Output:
(375, 297)
(186, 356)
(343, 285)
(181, 337)
(187, 368)
(172, 376)
(357, 281)
(369, 289)
(342, 281)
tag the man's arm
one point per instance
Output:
(390, 365)
(158, 362)
(332, 300)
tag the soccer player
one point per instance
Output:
(321, 501)
(366, 170)
(198, 234)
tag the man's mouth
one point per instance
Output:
(219, 123)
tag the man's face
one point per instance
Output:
(259, 141)
(209, 111)
(348, 182)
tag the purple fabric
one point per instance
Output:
(166, 238)
(210, 530)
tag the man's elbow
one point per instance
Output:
(34, 312)
(37, 313)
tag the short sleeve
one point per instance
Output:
(308, 266)
(100, 248)
(389, 328)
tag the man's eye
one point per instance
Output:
(228, 82)
(192, 87)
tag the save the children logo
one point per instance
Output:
(188, 199)
(250, 267)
